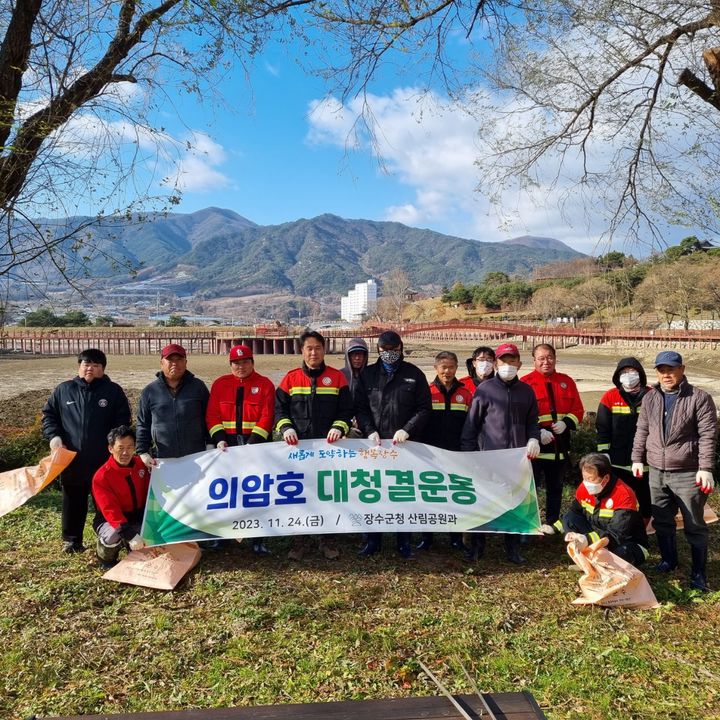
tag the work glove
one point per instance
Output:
(637, 470)
(400, 436)
(704, 480)
(290, 436)
(533, 448)
(149, 460)
(136, 543)
(374, 438)
(546, 437)
(559, 427)
(581, 540)
(222, 445)
(56, 443)
(334, 435)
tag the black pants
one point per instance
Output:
(74, 511)
(553, 473)
(641, 488)
(631, 552)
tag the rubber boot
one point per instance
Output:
(426, 542)
(668, 553)
(107, 554)
(474, 546)
(698, 579)
(373, 543)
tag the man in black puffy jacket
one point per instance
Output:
(78, 415)
(392, 402)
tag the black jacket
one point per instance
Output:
(449, 410)
(617, 416)
(83, 414)
(386, 404)
(502, 416)
(173, 425)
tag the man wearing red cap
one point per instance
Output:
(561, 411)
(503, 415)
(171, 413)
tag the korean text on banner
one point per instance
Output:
(18, 486)
(349, 487)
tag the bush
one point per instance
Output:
(22, 450)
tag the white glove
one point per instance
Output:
(56, 443)
(546, 437)
(400, 436)
(559, 427)
(290, 436)
(222, 445)
(704, 480)
(136, 543)
(581, 540)
(149, 460)
(334, 435)
(533, 448)
(374, 438)
(637, 470)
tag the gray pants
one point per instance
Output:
(670, 491)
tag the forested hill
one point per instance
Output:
(221, 253)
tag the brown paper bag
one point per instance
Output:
(161, 567)
(608, 580)
(18, 486)
(709, 514)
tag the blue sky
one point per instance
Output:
(284, 148)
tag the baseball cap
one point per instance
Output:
(173, 349)
(668, 357)
(507, 349)
(241, 352)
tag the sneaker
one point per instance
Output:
(71, 547)
(260, 548)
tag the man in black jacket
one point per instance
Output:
(78, 415)
(392, 402)
(171, 414)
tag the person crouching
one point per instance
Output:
(119, 490)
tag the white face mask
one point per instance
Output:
(507, 372)
(593, 488)
(483, 367)
(630, 379)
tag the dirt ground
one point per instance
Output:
(25, 383)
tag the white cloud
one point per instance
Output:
(197, 169)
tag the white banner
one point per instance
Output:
(351, 486)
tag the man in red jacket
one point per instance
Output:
(560, 411)
(119, 490)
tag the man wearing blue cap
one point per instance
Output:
(676, 437)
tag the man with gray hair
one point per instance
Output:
(675, 435)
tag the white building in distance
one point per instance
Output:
(360, 302)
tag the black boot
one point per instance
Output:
(698, 579)
(426, 542)
(456, 542)
(371, 546)
(668, 552)
(475, 548)
(512, 550)
(403, 544)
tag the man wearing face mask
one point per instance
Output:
(675, 435)
(605, 506)
(392, 402)
(561, 411)
(481, 367)
(503, 415)
(617, 417)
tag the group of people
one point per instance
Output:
(655, 452)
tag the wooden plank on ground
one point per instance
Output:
(505, 706)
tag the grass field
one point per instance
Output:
(242, 630)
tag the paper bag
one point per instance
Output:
(161, 567)
(608, 580)
(709, 515)
(18, 486)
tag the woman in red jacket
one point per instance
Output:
(119, 490)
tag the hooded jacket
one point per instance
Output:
(83, 414)
(172, 425)
(690, 442)
(347, 371)
(617, 416)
